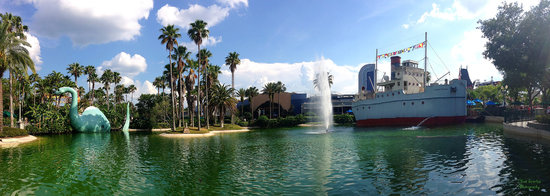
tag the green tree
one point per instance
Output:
(203, 55)
(131, 89)
(281, 88)
(197, 32)
(224, 100)
(242, 93)
(107, 79)
(232, 60)
(169, 37)
(270, 89)
(181, 55)
(516, 43)
(76, 70)
(13, 54)
(251, 92)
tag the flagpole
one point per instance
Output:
(375, 71)
(425, 57)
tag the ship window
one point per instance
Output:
(397, 73)
(363, 108)
(398, 83)
(404, 83)
(369, 107)
(422, 102)
(398, 93)
(392, 94)
(412, 103)
(388, 94)
(403, 103)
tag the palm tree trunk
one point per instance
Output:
(1, 102)
(222, 114)
(182, 100)
(199, 90)
(11, 98)
(233, 86)
(206, 103)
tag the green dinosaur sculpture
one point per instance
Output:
(91, 120)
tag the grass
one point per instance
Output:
(13, 132)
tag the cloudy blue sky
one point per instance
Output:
(277, 40)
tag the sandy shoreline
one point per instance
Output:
(15, 141)
(211, 133)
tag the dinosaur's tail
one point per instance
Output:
(127, 122)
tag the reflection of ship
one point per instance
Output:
(406, 100)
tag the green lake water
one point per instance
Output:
(463, 159)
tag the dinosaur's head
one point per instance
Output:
(61, 90)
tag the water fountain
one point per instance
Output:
(322, 88)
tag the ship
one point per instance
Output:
(405, 99)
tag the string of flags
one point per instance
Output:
(416, 46)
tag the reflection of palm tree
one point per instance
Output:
(251, 93)
(197, 32)
(223, 99)
(169, 37)
(316, 81)
(270, 89)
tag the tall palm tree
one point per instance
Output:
(116, 78)
(232, 60)
(169, 37)
(251, 92)
(76, 70)
(204, 54)
(223, 99)
(107, 79)
(181, 55)
(270, 89)
(242, 93)
(92, 77)
(197, 32)
(13, 54)
(158, 84)
(131, 89)
(281, 88)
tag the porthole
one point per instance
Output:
(363, 108)
(398, 93)
(422, 102)
(369, 107)
(392, 94)
(412, 103)
(403, 103)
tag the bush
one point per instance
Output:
(289, 121)
(544, 119)
(13, 132)
(344, 119)
(242, 123)
(262, 121)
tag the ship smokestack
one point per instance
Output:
(395, 63)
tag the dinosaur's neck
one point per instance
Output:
(74, 104)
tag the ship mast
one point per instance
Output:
(375, 72)
(425, 57)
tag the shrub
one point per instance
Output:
(343, 119)
(242, 123)
(544, 119)
(13, 132)
(262, 121)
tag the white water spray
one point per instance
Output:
(323, 92)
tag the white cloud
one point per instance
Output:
(470, 9)
(297, 77)
(141, 87)
(405, 26)
(125, 64)
(210, 41)
(90, 22)
(468, 52)
(212, 15)
(234, 3)
(34, 50)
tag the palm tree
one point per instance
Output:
(92, 77)
(158, 84)
(224, 100)
(251, 92)
(75, 70)
(131, 89)
(242, 93)
(316, 80)
(232, 60)
(169, 37)
(189, 86)
(281, 88)
(106, 79)
(270, 89)
(197, 32)
(181, 55)
(13, 54)
(204, 54)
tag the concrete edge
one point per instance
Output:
(149, 130)
(497, 119)
(211, 133)
(526, 132)
(15, 141)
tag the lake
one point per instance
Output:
(462, 159)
